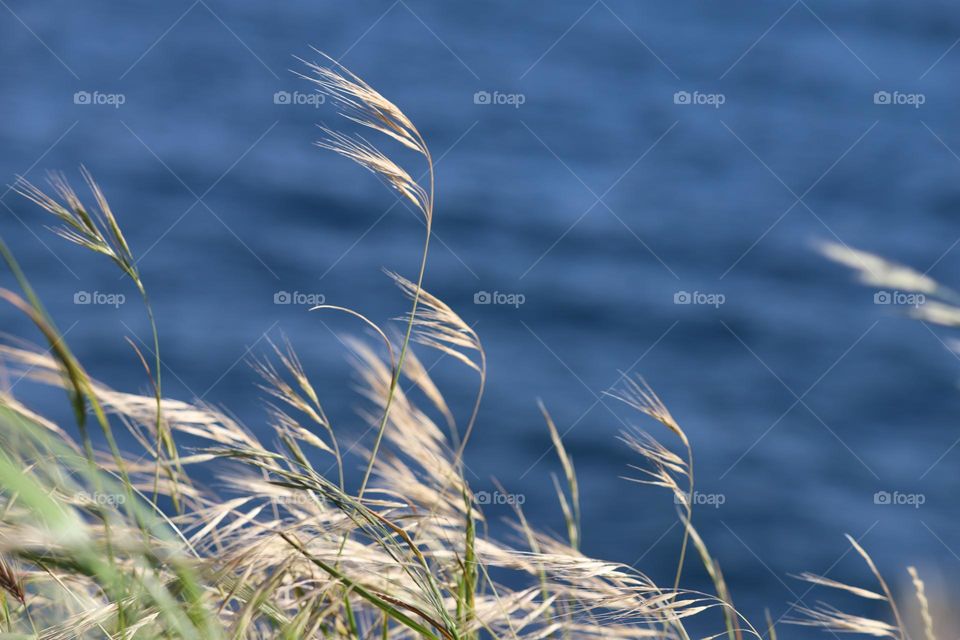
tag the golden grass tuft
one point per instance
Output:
(90, 547)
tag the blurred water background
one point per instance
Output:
(596, 161)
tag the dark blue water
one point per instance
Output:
(597, 199)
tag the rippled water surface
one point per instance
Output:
(588, 186)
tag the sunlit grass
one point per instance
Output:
(100, 542)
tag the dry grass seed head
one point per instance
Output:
(95, 229)
(638, 394)
(362, 103)
(369, 157)
(438, 326)
(880, 272)
(921, 591)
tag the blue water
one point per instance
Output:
(223, 193)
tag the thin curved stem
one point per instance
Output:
(476, 410)
(368, 322)
(409, 330)
(163, 438)
(688, 523)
